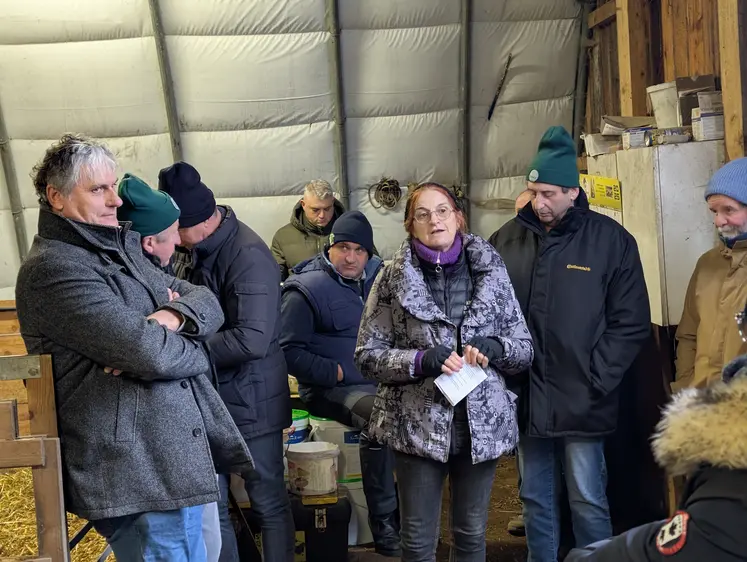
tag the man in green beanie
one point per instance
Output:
(153, 214)
(579, 280)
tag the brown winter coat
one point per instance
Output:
(707, 336)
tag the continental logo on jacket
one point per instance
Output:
(578, 267)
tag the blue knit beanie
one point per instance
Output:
(730, 180)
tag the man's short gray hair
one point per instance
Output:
(319, 188)
(65, 162)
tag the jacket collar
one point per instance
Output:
(571, 222)
(410, 288)
(213, 243)
(321, 262)
(738, 252)
(90, 236)
(704, 427)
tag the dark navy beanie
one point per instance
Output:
(354, 227)
(182, 181)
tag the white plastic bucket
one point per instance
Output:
(312, 468)
(347, 439)
(300, 427)
(359, 532)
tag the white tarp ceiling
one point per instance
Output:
(253, 84)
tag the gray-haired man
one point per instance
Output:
(311, 222)
(138, 421)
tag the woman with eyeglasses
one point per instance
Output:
(444, 300)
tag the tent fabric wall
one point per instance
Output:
(254, 89)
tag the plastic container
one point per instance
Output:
(312, 468)
(347, 439)
(359, 532)
(300, 427)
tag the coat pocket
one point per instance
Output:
(127, 406)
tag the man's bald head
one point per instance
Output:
(524, 197)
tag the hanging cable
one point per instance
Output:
(385, 194)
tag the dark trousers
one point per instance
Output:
(266, 489)
(420, 487)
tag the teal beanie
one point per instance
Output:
(555, 162)
(150, 211)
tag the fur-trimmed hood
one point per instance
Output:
(704, 427)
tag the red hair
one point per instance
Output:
(414, 195)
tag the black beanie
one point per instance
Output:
(353, 226)
(193, 197)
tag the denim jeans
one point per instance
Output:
(352, 406)
(543, 463)
(420, 484)
(155, 536)
(267, 493)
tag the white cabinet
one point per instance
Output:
(663, 190)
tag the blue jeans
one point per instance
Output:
(267, 493)
(543, 463)
(420, 484)
(155, 536)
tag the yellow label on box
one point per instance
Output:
(602, 192)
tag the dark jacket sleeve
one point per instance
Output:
(627, 318)
(296, 330)
(78, 310)
(198, 305)
(251, 296)
(636, 545)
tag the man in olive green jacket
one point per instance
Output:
(311, 222)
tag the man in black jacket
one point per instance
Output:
(703, 436)
(578, 277)
(233, 261)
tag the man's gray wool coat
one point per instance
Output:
(141, 441)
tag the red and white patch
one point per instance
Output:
(673, 534)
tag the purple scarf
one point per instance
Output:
(449, 257)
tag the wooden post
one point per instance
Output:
(632, 55)
(42, 409)
(733, 55)
(51, 521)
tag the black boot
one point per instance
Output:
(385, 531)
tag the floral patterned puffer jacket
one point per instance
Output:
(401, 317)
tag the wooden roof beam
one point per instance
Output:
(604, 14)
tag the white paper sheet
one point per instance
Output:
(458, 385)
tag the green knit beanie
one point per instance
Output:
(555, 162)
(150, 211)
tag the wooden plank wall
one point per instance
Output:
(12, 344)
(603, 88)
(690, 38)
(683, 40)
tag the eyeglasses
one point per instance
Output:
(424, 215)
(741, 319)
